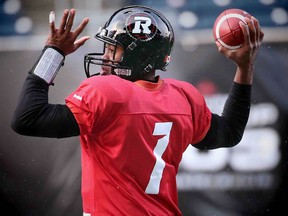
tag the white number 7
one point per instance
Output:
(161, 128)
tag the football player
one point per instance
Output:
(133, 125)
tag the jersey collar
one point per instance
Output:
(148, 85)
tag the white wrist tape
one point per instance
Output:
(52, 17)
(49, 64)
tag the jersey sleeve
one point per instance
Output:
(87, 105)
(96, 102)
(201, 114)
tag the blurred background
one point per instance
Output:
(41, 176)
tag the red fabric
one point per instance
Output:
(118, 121)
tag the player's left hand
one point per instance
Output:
(62, 37)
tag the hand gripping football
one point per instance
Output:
(226, 29)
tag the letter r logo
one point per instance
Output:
(145, 22)
(141, 26)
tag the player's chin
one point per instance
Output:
(105, 71)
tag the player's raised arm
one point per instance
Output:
(33, 115)
(231, 124)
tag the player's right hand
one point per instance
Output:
(245, 56)
(62, 37)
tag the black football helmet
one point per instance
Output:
(146, 36)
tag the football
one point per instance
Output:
(226, 29)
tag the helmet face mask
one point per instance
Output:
(97, 59)
(146, 37)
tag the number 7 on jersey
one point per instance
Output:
(161, 128)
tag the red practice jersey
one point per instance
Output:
(133, 135)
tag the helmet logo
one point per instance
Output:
(142, 26)
(145, 25)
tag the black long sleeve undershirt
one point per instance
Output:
(227, 130)
(34, 116)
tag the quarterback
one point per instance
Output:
(133, 125)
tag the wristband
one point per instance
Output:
(49, 64)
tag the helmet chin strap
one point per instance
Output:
(133, 45)
(148, 68)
